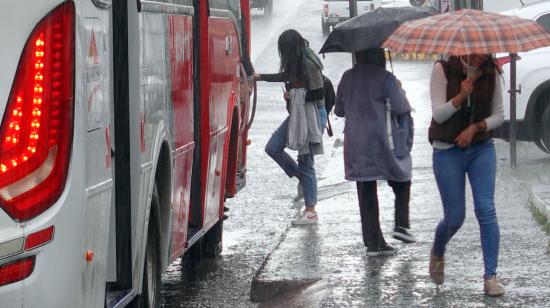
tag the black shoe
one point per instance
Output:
(225, 216)
(225, 208)
(403, 235)
(386, 250)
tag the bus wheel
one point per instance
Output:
(150, 292)
(545, 130)
(209, 246)
(212, 242)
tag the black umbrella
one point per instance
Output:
(371, 29)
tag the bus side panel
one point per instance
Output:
(181, 61)
(224, 72)
(94, 51)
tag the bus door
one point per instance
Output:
(224, 69)
(180, 49)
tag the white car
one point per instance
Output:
(533, 78)
(335, 11)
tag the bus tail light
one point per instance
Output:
(37, 127)
(16, 271)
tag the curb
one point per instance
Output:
(540, 199)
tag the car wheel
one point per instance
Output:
(544, 142)
(417, 2)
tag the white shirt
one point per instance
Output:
(442, 109)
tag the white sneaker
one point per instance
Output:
(306, 218)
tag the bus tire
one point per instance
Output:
(212, 242)
(151, 288)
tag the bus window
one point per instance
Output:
(234, 6)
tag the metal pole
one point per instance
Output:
(513, 92)
(352, 8)
(352, 13)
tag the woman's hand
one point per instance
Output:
(464, 139)
(286, 96)
(466, 87)
(257, 77)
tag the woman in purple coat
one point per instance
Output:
(369, 154)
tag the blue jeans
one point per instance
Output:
(304, 168)
(450, 168)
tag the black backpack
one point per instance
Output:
(330, 99)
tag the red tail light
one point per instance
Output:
(325, 10)
(504, 60)
(36, 131)
(16, 271)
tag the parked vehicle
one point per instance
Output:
(533, 79)
(494, 6)
(264, 5)
(335, 11)
(122, 134)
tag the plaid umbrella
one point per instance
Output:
(467, 32)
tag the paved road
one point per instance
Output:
(328, 260)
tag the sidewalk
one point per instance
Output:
(325, 265)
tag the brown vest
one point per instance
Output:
(480, 104)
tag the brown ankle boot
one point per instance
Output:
(437, 269)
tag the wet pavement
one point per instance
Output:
(325, 265)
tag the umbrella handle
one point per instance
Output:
(388, 125)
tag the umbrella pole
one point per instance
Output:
(513, 91)
(391, 62)
(468, 61)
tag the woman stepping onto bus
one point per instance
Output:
(300, 69)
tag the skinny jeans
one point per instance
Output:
(450, 168)
(304, 167)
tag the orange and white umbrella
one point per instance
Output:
(466, 32)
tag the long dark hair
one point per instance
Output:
(374, 56)
(488, 67)
(291, 49)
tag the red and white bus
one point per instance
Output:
(122, 133)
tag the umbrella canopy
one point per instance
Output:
(467, 32)
(371, 29)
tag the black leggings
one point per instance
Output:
(368, 206)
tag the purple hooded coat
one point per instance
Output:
(360, 99)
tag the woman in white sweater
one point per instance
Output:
(466, 106)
